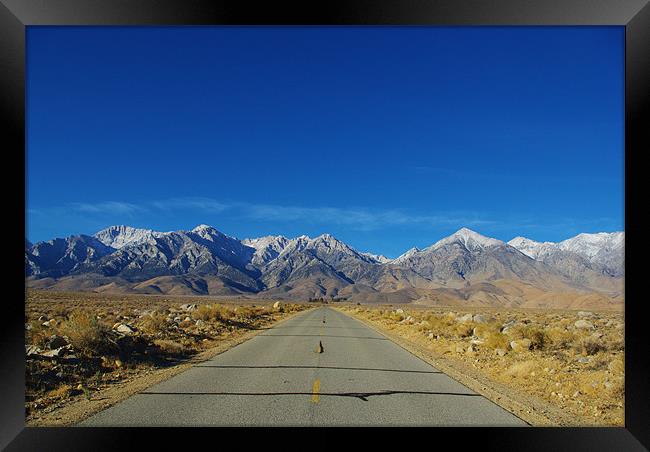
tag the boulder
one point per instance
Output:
(123, 328)
(277, 305)
(55, 341)
(508, 325)
(481, 318)
(583, 324)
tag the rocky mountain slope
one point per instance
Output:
(466, 265)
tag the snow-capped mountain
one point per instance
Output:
(471, 240)
(205, 260)
(604, 249)
(467, 256)
(604, 252)
(266, 248)
(59, 257)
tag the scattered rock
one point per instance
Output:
(189, 307)
(471, 349)
(465, 318)
(57, 352)
(49, 323)
(430, 335)
(521, 344)
(399, 311)
(123, 328)
(500, 351)
(277, 305)
(199, 322)
(583, 324)
(584, 359)
(32, 350)
(585, 314)
(480, 318)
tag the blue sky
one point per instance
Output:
(386, 137)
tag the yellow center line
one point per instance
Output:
(315, 398)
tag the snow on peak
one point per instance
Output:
(380, 258)
(202, 228)
(600, 247)
(469, 239)
(260, 243)
(406, 255)
(120, 236)
(531, 248)
(589, 245)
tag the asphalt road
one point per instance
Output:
(277, 379)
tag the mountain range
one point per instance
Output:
(464, 268)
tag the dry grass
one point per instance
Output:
(87, 334)
(62, 392)
(170, 347)
(163, 333)
(578, 370)
(154, 323)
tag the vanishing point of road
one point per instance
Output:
(278, 378)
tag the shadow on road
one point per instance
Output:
(323, 367)
(357, 395)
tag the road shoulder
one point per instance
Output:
(81, 408)
(530, 409)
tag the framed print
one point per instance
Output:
(350, 214)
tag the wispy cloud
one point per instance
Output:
(358, 218)
(197, 203)
(107, 207)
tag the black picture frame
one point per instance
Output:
(634, 15)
